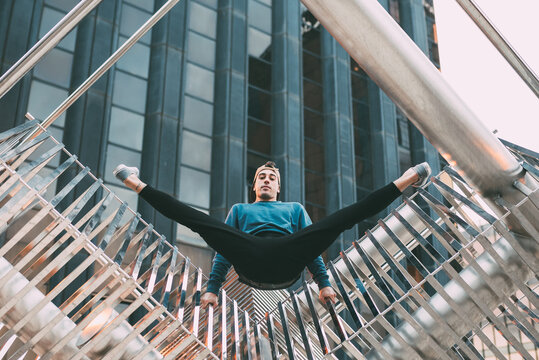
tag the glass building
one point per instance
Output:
(213, 91)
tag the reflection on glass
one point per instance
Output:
(136, 60)
(132, 19)
(201, 50)
(195, 187)
(55, 67)
(198, 115)
(51, 17)
(203, 20)
(199, 82)
(258, 44)
(126, 128)
(44, 99)
(196, 150)
(129, 92)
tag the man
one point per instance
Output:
(267, 215)
(270, 243)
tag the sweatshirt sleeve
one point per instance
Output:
(221, 266)
(316, 267)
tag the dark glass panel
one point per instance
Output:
(360, 89)
(361, 116)
(312, 95)
(312, 67)
(315, 213)
(364, 173)
(362, 143)
(356, 69)
(259, 105)
(314, 125)
(259, 73)
(314, 156)
(315, 189)
(259, 137)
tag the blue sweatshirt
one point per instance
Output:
(280, 217)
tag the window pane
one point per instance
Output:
(314, 125)
(203, 20)
(51, 17)
(359, 88)
(195, 187)
(312, 67)
(315, 191)
(129, 91)
(312, 95)
(201, 50)
(144, 4)
(126, 195)
(126, 128)
(196, 150)
(314, 156)
(210, 3)
(260, 16)
(364, 173)
(198, 115)
(132, 19)
(136, 60)
(361, 116)
(44, 99)
(66, 5)
(200, 82)
(362, 143)
(259, 105)
(259, 137)
(259, 73)
(55, 67)
(117, 155)
(57, 133)
(258, 43)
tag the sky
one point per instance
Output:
(481, 76)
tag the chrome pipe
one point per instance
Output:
(105, 66)
(401, 69)
(45, 44)
(501, 44)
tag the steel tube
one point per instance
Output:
(399, 67)
(45, 44)
(501, 44)
(106, 66)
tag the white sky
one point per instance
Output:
(481, 76)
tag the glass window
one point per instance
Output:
(315, 189)
(128, 196)
(314, 159)
(129, 92)
(259, 105)
(66, 5)
(259, 73)
(362, 143)
(312, 95)
(201, 50)
(312, 67)
(55, 67)
(199, 82)
(360, 88)
(195, 187)
(258, 43)
(126, 128)
(311, 41)
(132, 19)
(57, 133)
(361, 116)
(143, 4)
(210, 3)
(260, 16)
(259, 137)
(44, 99)
(196, 150)
(117, 155)
(51, 17)
(267, 2)
(364, 173)
(203, 20)
(198, 115)
(188, 236)
(136, 60)
(314, 125)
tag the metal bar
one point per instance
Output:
(113, 226)
(45, 44)
(118, 259)
(156, 263)
(180, 301)
(246, 336)
(272, 337)
(140, 256)
(302, 328)
(224, 327)
(347, 301)
(170, 277)
(196, 302)
(336, 321)
(236, 350)
(501, 44)
(316, 320)
(380, 283)
(289, 341)
(107, 64)
(208, 341)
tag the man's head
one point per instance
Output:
(267, 182)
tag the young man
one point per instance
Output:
(269, 243)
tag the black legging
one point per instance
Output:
(274, 259)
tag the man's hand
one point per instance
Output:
(327, 294)
(208, 298)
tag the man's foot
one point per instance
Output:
(422, 170)
(122, 172)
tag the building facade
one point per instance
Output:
(213, 91)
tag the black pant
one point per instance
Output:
(270, 259)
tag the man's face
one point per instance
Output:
(266, 186)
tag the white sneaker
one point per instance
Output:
(424, 171)
(123, 171)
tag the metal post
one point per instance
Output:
(45, 44)
(106, 65)
(500, 43)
